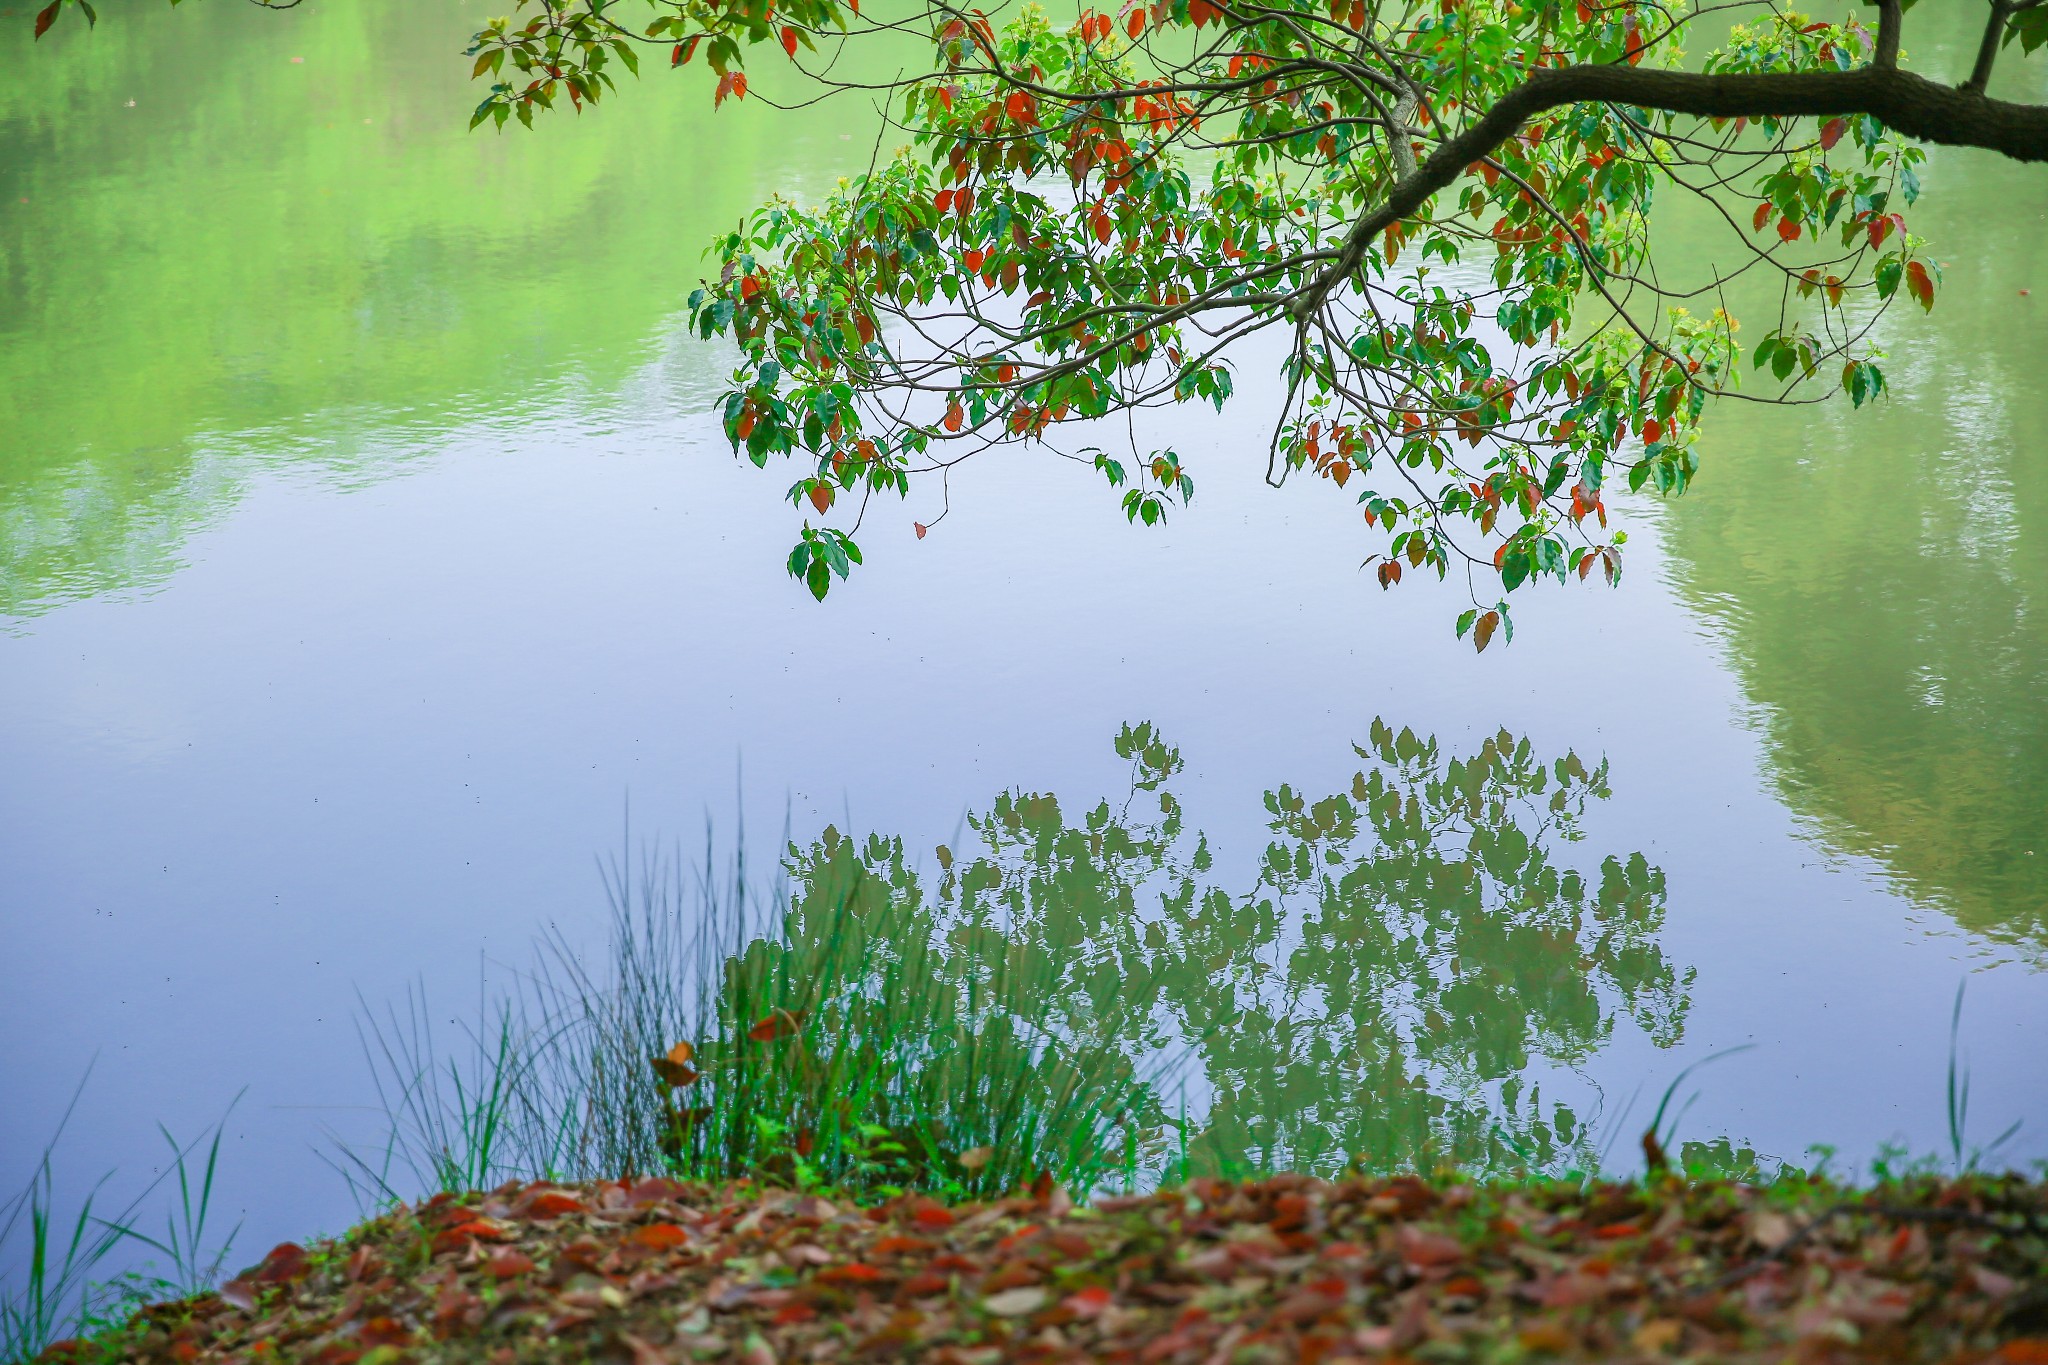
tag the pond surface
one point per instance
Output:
(371, 564)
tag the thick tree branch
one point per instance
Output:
(1905, 102)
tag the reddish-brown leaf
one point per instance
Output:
(286, 1262)
(384, 1332)
(661, 1236)
(1483, 628)
(549, 1204)
(503, 1265)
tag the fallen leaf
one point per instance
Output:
(1657, 1336)
(1769, 1229)
(384, 1332)
(550, 1204)
(1421, 1247)
(643, 1352)
(1087, 1303)
(505, 1264)
(661, 1236)
(1015, 1303)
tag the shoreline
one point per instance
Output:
(1289, 1268)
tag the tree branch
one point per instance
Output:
(1905, 102)
(1889, 16)
(1987, 50)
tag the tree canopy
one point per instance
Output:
(1442, 209)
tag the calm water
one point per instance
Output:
(369, 562)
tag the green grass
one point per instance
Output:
(840, 1036)
(65, 1287)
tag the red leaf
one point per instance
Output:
(1087, 1303)
(1021, 107)
(384, 1332)
(924, 1284)
(1920, 284)
(853, 1272)
(1831, 132)
(1135, 25)
(286, 1261)
(509, 1263)
(1653, 431)
(47, 18)
(661, 1236)
(1763, 215)
(1788, 230)
(954, 417)
(821, 497)
(789, 42)
(550, 1204)
(685, 51)
(780, 1024)
(920, 528)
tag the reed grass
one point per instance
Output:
(840, 1034)
(64, 1287)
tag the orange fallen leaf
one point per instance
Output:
(661, 1236)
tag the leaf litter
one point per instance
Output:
(659, 1272)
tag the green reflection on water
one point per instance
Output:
(1877, 575)
(288, 252)
(1413, 956)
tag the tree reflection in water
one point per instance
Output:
(1411, 955)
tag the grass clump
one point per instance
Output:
(65, 1285)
